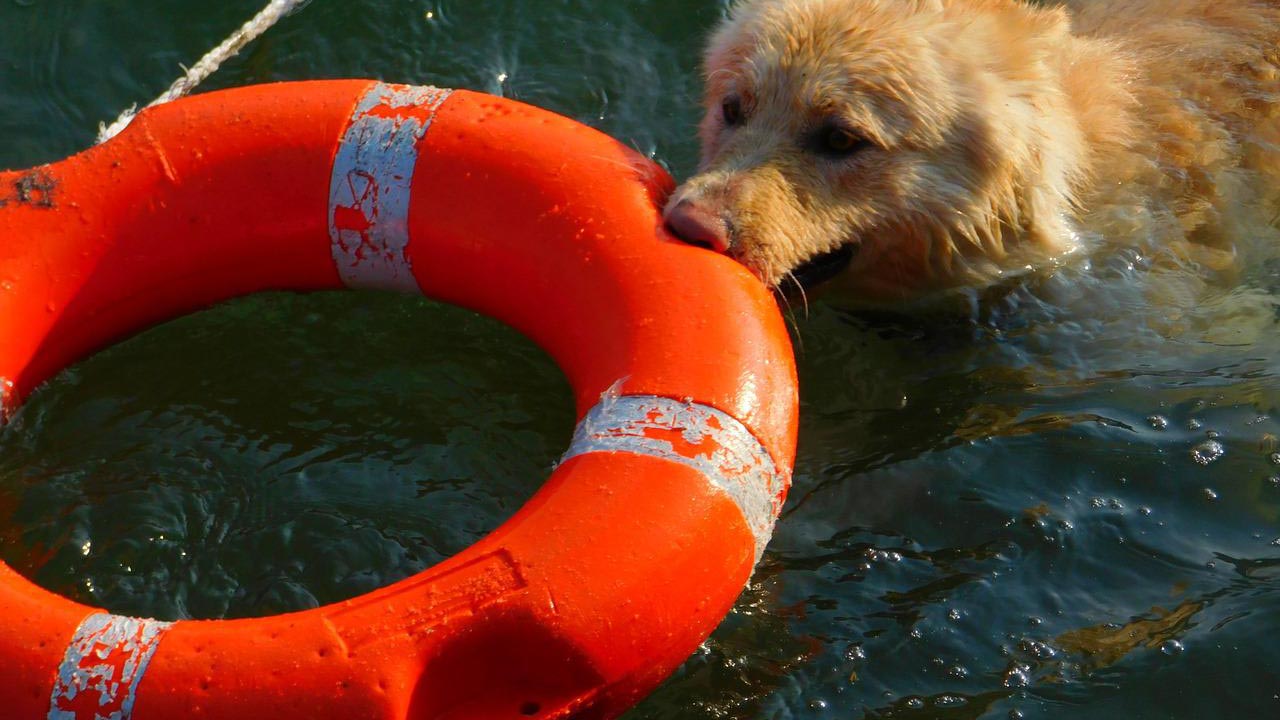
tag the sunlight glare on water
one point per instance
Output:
(1062, 504)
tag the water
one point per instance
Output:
(1065, 504)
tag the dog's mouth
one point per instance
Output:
(820, 268)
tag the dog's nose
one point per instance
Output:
(698, 225)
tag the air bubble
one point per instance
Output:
(1017, 676)
(1207, 452)
(1171, 647)
(1037, 649)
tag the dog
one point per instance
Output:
(895, 150)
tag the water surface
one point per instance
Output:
(1062, 504)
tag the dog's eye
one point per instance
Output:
(731, 110)
(837, 141)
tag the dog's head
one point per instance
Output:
(901, 146)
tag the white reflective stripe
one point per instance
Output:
(369, 188)
(700, 436)
(100, 671)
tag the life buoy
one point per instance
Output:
(606, 580)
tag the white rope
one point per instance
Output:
(208, 64)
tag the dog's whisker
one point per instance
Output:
(804, 297)
(789, 316)
(790, 313)
(612, 161)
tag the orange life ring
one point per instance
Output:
(601, 584)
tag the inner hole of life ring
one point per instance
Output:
(275, 453)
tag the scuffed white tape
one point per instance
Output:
(700, 436)
(102, 666)
(370, 186)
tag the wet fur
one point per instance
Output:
(1004, 136)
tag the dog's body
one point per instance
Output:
(910, 146)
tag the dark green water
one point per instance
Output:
(1063, 505)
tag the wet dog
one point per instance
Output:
(896, 149)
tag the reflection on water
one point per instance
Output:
(353, 438)
(1061, 500)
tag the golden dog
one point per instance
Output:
(904, 147)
